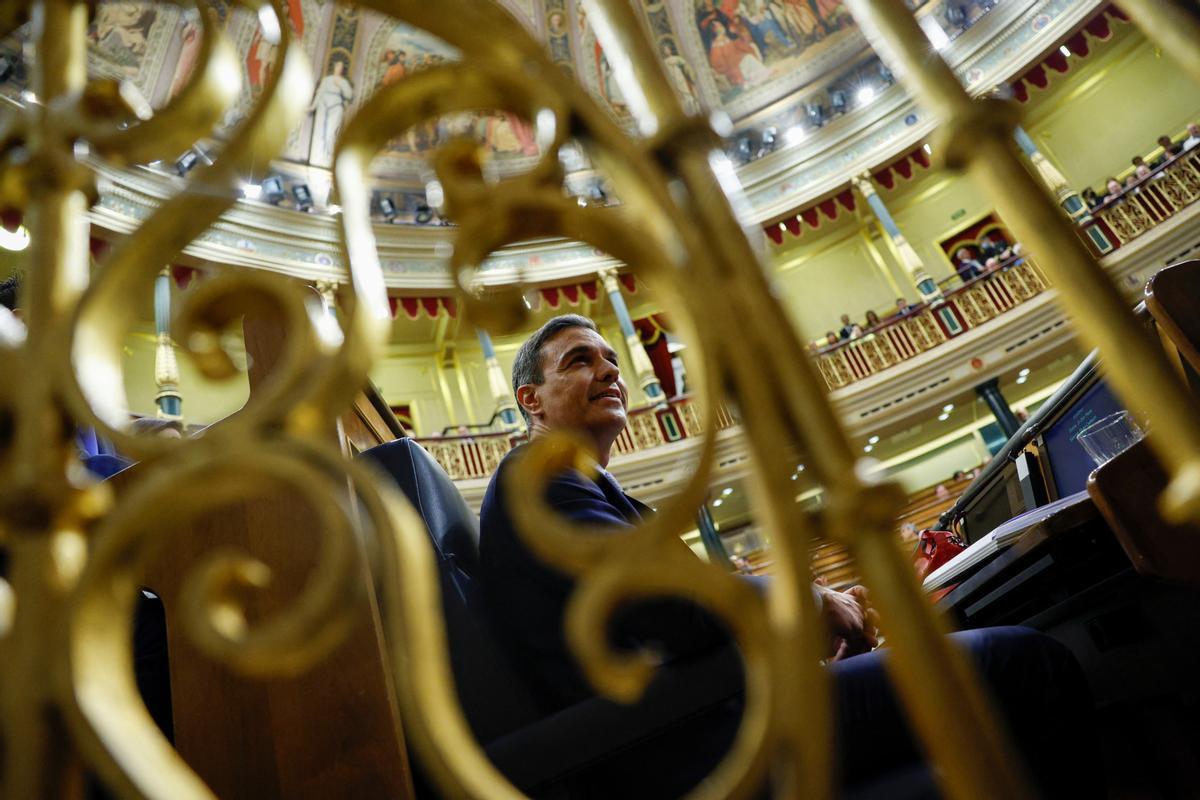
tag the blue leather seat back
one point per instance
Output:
(494, 699)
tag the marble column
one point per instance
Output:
(506, 404)
(642, 367)
(1068, 198)
(925, 285)
(166, 368)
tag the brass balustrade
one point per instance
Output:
(67, 694)
(477, 456)
(1138, 209)
(898, 340)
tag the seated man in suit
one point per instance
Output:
(566, 376)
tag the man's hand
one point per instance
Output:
(851, 620)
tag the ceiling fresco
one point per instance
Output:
(779, 69)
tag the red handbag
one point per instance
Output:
(935, 548)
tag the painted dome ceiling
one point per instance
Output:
(771, 65)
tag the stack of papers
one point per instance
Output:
(1000, 538)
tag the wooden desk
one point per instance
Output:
(1133, 636)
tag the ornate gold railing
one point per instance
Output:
(477, 456)
(933, 325)
(1158, 197)
(67, 693)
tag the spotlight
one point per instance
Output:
(816, 113)
(271, 190)
(728, 490)
(769, 137)
(1023, 372)
(387, 206)
(943, 417)
(251, 191)
(186, 162)
(718, 502)
(745, 148)
(837, 101)
(795, 135)
(1065, 51)
(865, 95)
(873, 440)
(424, 214)
(956, 15)
(885, 74)
(948, 407)
(303, 197)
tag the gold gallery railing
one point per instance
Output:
(477, 456)
(1158, 197)
(68, 698)
(900, 339)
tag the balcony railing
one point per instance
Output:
(477, 456)
(926, 327)
(1162, 194)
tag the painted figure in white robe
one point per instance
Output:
(333, 96)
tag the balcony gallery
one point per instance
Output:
(594, 398)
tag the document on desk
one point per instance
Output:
(998, 539)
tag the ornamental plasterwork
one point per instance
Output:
(1001, 43)
(988, 54)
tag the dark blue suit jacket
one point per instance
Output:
(526, 598)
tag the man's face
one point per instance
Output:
(581, 388)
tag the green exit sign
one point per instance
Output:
(957, 215)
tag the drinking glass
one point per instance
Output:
(1108, 437)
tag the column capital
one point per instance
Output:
(864, 184)
(608, 277)
(327, 291)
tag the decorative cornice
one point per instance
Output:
(260, 236)
(992, 52)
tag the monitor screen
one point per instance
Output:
(1069, 463)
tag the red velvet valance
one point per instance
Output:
(1098, 27)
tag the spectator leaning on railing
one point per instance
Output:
(1169, 150)
(1193, 138)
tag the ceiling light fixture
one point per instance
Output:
(873, 440)
(16, 240)
(1065, 51)
(943, 416)
(718, 502)
(728, 490)
(795, 135)
(865, 95)
(948, 407)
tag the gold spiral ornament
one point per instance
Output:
(67, 694)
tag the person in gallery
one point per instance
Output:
(567, 377)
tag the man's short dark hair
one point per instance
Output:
(8, 291)
(527, 367)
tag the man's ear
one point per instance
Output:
(527, 398)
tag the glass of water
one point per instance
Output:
(1108, 437)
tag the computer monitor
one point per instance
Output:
(1066, 463)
